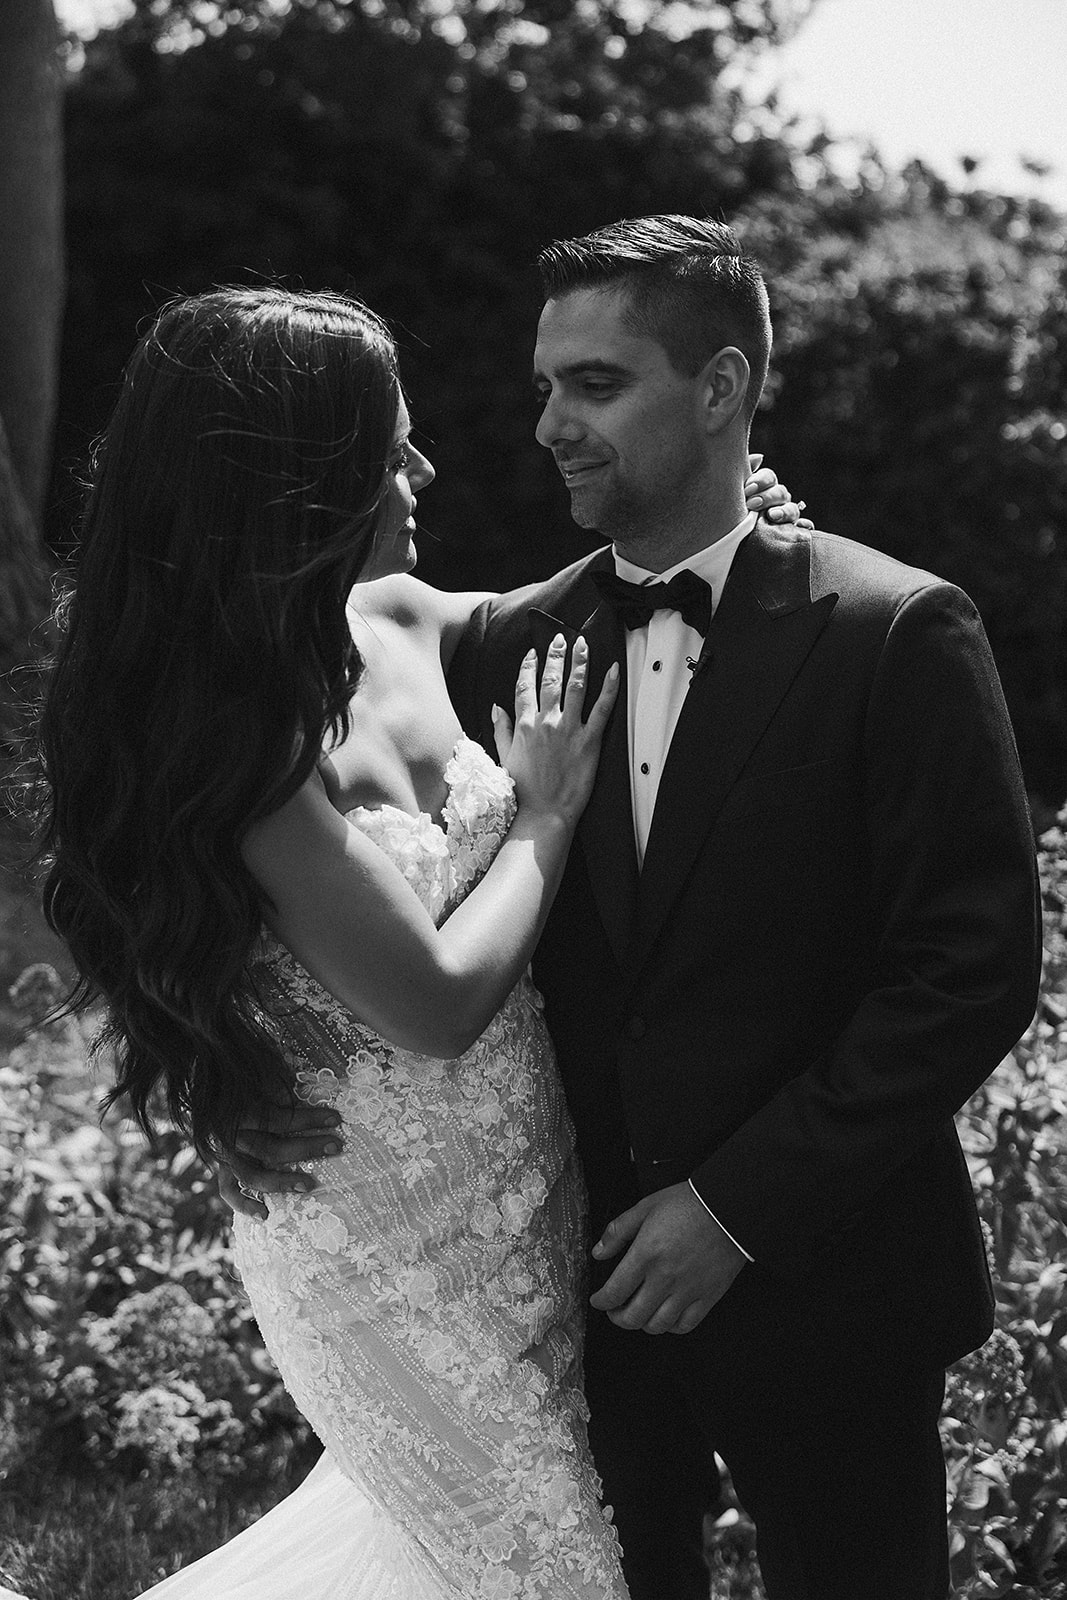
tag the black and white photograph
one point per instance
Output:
(533, 800)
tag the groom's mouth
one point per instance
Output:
(576, 471)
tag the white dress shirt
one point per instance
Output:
(657, 681)
(657, 673)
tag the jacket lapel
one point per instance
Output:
(761, 634)
(606, 831)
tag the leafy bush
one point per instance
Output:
(128, 1343)
(131, 1357)
(1005, 1420)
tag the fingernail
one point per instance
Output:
(559, 642)
(751, 485)
(613, 670)
(334, 1148)
(757, 500)
(759, 462)
(598, 1248)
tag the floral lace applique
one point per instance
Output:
(424, 1302)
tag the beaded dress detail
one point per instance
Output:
(424, 1303)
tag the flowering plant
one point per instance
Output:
(126, 1339)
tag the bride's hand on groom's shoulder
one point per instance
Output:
(678, 1265)
(266, 1155)
(763, 493)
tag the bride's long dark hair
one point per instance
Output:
(205, 656)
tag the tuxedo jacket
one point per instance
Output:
(833, 940)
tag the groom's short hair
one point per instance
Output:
(688, 285)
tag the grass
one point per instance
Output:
(102, 1537)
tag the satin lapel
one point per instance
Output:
(543, 629)
(606, 830)
(761, 634)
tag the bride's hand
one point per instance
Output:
(551, 754)
(763, 493)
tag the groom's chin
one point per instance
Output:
(585, 513)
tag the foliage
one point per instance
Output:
(920, 384)
(420, 154)
(127, 1343)
(1005, 1422)
(131, 1358)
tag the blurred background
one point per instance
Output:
(893, 167)
(899, 170)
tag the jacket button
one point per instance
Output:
(636, 1027)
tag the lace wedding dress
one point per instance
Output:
(424, 1304)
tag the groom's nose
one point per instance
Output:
(557, 423)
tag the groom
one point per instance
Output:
(797, 930)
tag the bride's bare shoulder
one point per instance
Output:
(410, 603)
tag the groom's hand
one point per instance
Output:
(679, 1264)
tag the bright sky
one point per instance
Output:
(937, 79)
(933, 78)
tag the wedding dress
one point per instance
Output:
(424, 1304)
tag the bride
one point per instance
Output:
(294, 881)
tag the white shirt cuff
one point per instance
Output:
(715, 1219)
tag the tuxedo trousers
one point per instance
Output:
(834, 1454)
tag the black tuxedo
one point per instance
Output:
(832, 942)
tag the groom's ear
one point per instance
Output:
(724, 385)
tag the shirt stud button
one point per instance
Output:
(644, 768)
(656, 666)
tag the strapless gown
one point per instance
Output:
(425, 1303)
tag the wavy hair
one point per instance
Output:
(204, 657)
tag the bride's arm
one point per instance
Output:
(350, 917)
(412, 603)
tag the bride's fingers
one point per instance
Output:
(786, 511)
(574, 698)
(552, 677)
(597, 719)
(759, 479)
(526, 686)
(503, 734)
(231, 1193)
(764, 495)
(774, 494)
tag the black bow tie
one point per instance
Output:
(634, 603)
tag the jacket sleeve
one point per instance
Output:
(952, 891)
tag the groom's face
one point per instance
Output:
(624, 426)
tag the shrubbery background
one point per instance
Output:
(419, 154)
(141, 1422)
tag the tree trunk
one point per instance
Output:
(31, 250)
(31, 302)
